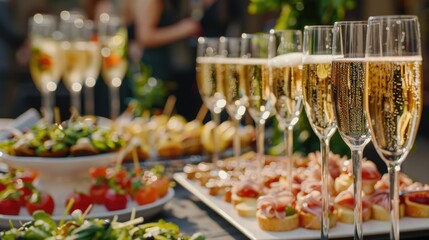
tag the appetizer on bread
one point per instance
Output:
(277, 212)
(417, 200)
(417, 205)
(344, 202)
(310, 212)
(381, 206)
(370, 176)
(245, 190)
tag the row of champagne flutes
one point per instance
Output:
(342, 74)
(75, 49)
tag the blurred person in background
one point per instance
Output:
(165, 33)
(10, 41)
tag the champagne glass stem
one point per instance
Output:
(260, 146)
(75, 101)
(393, 169)
(357, 190)
(89, 100)
(216, 119)
(47, 102)
(288, 140)
(324, 147)
(237, 143)
(114, 102)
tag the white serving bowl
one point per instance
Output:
(60, 176)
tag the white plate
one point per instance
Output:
(250, 228)
(59, 165)
(60, 176)
(98, 211)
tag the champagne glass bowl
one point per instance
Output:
(348, 76)
(393, 94)
(316, 78)
(113, 39)
(45, 63)
(286, 86)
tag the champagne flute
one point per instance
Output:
(113, 36)
(233, 86)
(93, 64)
(393, 94)
(348, 76)
(209, 84)
(316, 77)
(286, 77)
(74, 57)
(45, 64)
(255, 56)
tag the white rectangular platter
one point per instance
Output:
(250, 228)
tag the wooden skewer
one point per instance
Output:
(169, 105)
(74, 113)
(86, 212)
(136, 161)
(146, 115)
(57, 115)
(201, 113)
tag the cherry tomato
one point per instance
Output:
(81, 201)
(26, 176)
(2, 187)
(97, 192)
(146, 195)
(10, 206)
(114, 200)
(268, 182)
(98, 172)
(40, 201)
(132, 186)
(121, 178)
(162, 184)
(248, 192)
(25, 193)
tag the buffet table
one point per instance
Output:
(192, 214)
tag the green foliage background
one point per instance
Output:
(295, 14)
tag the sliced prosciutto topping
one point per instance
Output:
(336, 163)
(274, 205)
(370, 171)
(383, 183)
(346, 199)
(381, 198)
(311, 185)
(246, 188)
(312, 203)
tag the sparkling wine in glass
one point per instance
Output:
(316, 77)
(348, 82)
(286, 78)
(233, 85)
(113, 36)
(209, 83)
(45, 63)
(255, 59)
(73, 48)
(93, 64)
(393, 94)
